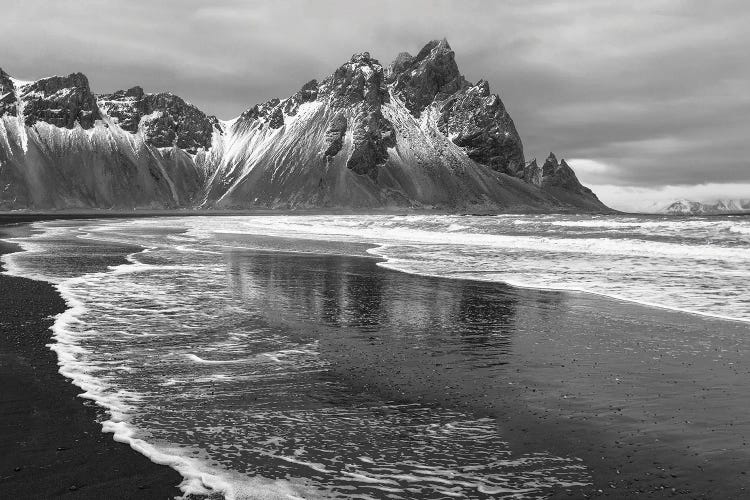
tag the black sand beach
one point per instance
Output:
(654, 402)
(52, 445)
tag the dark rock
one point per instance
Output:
(276, 119)
(166, 119)
(560, 175)
(308, 93)
(531, 173)
(477, 121)
(160, 129)
(269, 113)
(60, 101)
(127, 107)
(456, 85)
(215, 123)
(402, 61)
(372, 137)
(136, 92)
(192, 128)
(550, 165)
(334, 139)
(361, 80)
(418, 80)
(359, 86)
(8, 96)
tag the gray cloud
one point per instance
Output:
(652, 93)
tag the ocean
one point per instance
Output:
(250, 352)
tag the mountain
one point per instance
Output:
(687, 207)
(59, 148)
(413, 134)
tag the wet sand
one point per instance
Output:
(653, 401)
(52, 445)
(647, 422)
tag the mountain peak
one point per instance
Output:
(363, 58)
(360, 79)
(135, 91)
(351, 140)
(165, 119)
(62, 101)
(532, 173)
(436, 46)
(550, 165)
(690, 207)
(403, 59)
(419, 79)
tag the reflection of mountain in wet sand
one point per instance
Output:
(634, 391)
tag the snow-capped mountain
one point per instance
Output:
(414, 134)
(59, 148)
(687, 207)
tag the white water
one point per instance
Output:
(180, 348)
(696, 265)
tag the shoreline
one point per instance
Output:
(53, 444)
(565, 428)
(563, 400)
(384, 261)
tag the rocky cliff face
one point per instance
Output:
(561, 182)
(59, 149)
(59, 101)
(414, 134)
(164, 119)
(532, 173)
(8, 97)
(472, 117)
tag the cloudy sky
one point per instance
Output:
(650, 99)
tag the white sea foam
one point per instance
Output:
(158, 330)
(652, 250)
(199, 479)
(739, 229)
(648, 254)
(387, 235)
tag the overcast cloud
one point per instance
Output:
(640, 95)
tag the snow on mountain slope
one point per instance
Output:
(416, 134)
(365, 137)
(687, 207)
(59, 150)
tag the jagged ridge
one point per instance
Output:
(416, 134)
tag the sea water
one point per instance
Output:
(206, 351)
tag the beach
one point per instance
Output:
(52, 443)
(649, 403)
(571, 374)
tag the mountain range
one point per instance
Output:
(414, 134)
(687, 207)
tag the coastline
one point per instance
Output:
(52, 442)
(642, 419)
(623, 464)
